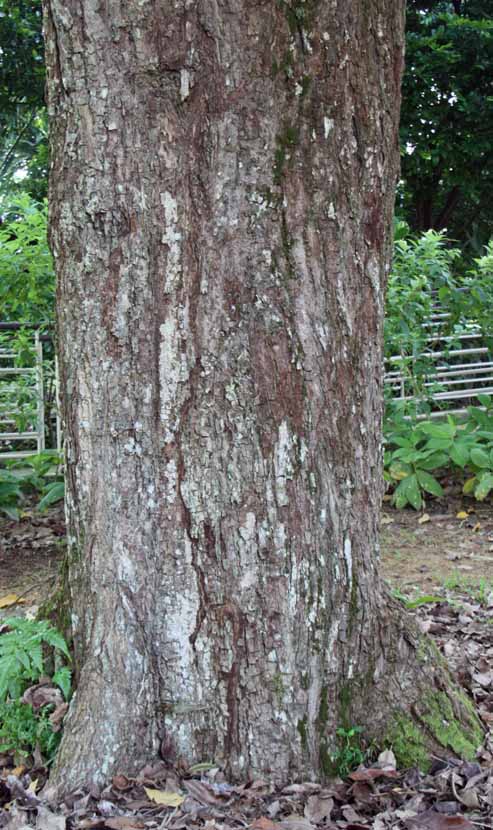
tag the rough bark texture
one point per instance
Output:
(221, 206)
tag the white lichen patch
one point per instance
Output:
(262, 203)
(173, 371)
(184, 84)
(328, 126)
(282, 463)
(171, 476)
(348, 558)
(172, 238)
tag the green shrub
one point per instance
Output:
(28, 649)
(22, 730)
(37, 474)
(423, 276)
(27, 285)
(416, 449)
(349, 754)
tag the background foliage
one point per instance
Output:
(23, 127)
(447, 120)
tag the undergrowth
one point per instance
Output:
(417, 453)
(37, 475)
(34, 658)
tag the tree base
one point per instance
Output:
(425, 712)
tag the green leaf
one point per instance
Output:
(443, 431)
(480, 458)
(459, 454)
(439, 443)
(429, 483)
(399, 471)
(469, 485)
(411, 488)
(54, 493)
(484, 487)
(434, 461)
(12, 512)
(399, 496)
(485, 400)
(482, 418)
(63, 678)
(56, 640)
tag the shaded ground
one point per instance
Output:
(30, 553)
(423, 551)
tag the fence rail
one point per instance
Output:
(460, 367)
(25, 414)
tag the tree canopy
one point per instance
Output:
(23, 131)
(447, 119)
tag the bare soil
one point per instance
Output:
(438, 547)
(30, 555)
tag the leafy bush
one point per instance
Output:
(22, 730)
(423, 277)
(416, 449)
(37, 474)
(349, 754)
(27, 648)
(27, 287)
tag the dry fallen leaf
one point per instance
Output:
(264, 823)
(318, 809)
(431, 820)
(423, 519)
(10, 599)
(121, 782)
(124, 823)
(462, 514)
(167, 799)
(387, 759)
(46, 820)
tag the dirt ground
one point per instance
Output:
(449, 545)
(30, 554)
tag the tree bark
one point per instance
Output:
(222, 190)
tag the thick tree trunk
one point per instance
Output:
(221, 204)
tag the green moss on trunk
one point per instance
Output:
(446, 718)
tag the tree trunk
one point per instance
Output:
(221, 204)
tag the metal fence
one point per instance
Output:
(458, 368)
(29, 411)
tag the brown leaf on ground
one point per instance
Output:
(264, 823)
(372, 773)
(431, 820)
(124, 823)
(56, 717)
(42, 695)
(318, 809)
